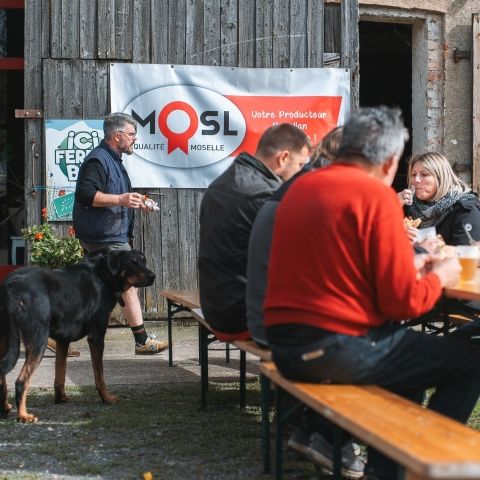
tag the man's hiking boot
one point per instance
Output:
(151, 346)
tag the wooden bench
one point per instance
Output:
(178, 301)
(206, 336)
(425, 444)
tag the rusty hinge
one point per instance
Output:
(461, 55)
(29, 113)
(461, 167)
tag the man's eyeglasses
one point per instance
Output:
(130, 134)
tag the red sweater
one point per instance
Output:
(340, 258)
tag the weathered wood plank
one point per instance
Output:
(88, 29)
(159, 27)
(52, 88)
(281, 32)
(35, 14)
(56, 29)
(147, 238)
(94, 88)
(177, 27)
(194, 41)
(123, 29)
(246, 33)
(332, 28)
(71, 89)
(187, 236)
(65, 26)
(351, 48)
(264, 34)
(170, 241)
(70, 29)
(211, 54)
(315, 29)
(298, 33)
(142, 31)
(229, 33)
(476, 100)
(106, 29)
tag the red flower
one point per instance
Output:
(38, 236)
(71, 232)
(44, 213)
(61, 193)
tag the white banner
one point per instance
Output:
(194, 120)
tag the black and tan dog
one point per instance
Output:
(67, 304)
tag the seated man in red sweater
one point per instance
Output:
(342, 277)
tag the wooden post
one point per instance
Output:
(350, 48)
(476, 101)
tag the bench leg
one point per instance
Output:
(265, 388)
(227, 353)
(169, 325)
(243, 378)
(278, 434)
(203, 341)
(337, 453)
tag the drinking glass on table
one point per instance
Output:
(468, 258)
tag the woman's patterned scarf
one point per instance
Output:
(431, 212)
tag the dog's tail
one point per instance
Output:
(9, 338)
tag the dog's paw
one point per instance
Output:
(61, 398)
(110, 399)
(27, 418)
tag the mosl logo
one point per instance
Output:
(186, 126)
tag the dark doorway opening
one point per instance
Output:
(386, 75)
(11, 131)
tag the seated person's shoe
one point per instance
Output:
(300, 441)
(151, 346)
(321, 452)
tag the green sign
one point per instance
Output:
(64, 205)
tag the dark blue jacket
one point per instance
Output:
(103, 224)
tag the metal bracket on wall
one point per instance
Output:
(461, 167)
(28, 113)
(461, 55)
(35, 156)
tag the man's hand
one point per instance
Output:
(131, 200)
(448, 270)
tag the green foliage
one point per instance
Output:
(48, 249)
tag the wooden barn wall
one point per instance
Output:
(68, 47)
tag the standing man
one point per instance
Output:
(227, 213)
(103, 212)
(342, 278)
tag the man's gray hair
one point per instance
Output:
(115, 122)
(374, 133)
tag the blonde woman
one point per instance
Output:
(441, 199)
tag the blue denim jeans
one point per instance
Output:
(404, 361)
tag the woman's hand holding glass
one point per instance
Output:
(406, 195)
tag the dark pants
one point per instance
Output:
(404, 361)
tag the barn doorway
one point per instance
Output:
(11, 130)
(386, 75)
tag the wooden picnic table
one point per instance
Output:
(465, 290)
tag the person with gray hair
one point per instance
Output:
(343, 277)
(103, 211)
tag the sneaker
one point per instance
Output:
(300, 441)
(151, 347)
(321, 452)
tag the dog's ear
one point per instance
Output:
(113, 262)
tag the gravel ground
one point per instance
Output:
(156, 427)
